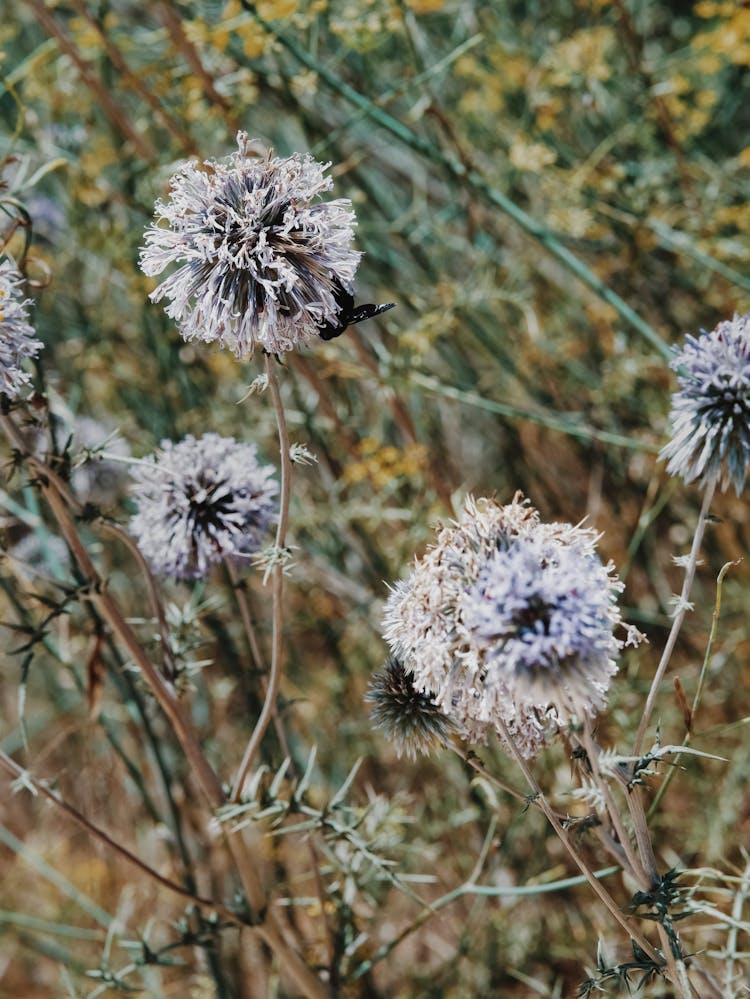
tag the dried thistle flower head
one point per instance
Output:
(710, 415)
(17, 338)
(262, 261)
(508, 618)
(409, 717)
(200, 501)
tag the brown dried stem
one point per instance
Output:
(37, 786)
(601, 892)
(173, 24)
(130, 79)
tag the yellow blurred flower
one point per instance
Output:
(531, 156)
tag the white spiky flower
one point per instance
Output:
(262, 260)
(710, 414)
(201, 501)
(17, 338)
(508, 618)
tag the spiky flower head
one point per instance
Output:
(262, 260)
(710, 414)
(200, 501)
(409, 717)
(508, 620)
(543, 609)
(17, 339)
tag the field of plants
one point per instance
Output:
(366, 653)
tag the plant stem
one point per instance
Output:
(637, 869)
(274, 679)
(584, 868)
(682, 609)
(699, 690)
(255, 650)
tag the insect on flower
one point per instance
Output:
(349, 313)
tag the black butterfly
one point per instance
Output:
(349, 313)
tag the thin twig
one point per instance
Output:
(637, 869)
(739, 900)
(172, 22)
(259, 663)
(699, 690)
(168, 663)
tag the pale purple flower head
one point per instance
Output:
(543, 609)
(710, 415)
(201, 501)
(508, 620)
(17, 338)
(262, 261)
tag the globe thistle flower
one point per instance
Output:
(200, 501)
(543, 609)
(507, 620)
(710, 414)
(409, 718)
(261, 260)
(17, 339)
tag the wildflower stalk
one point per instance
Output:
(157, 604)
(682, 609)
(584, 868)
(730, 975)
(471, 888)
(699, 690)
(676, 966)
(637, 868)
(255, 650)
(473, 761)
(247, 619)
(274, 679)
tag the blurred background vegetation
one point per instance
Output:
(552, 193)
